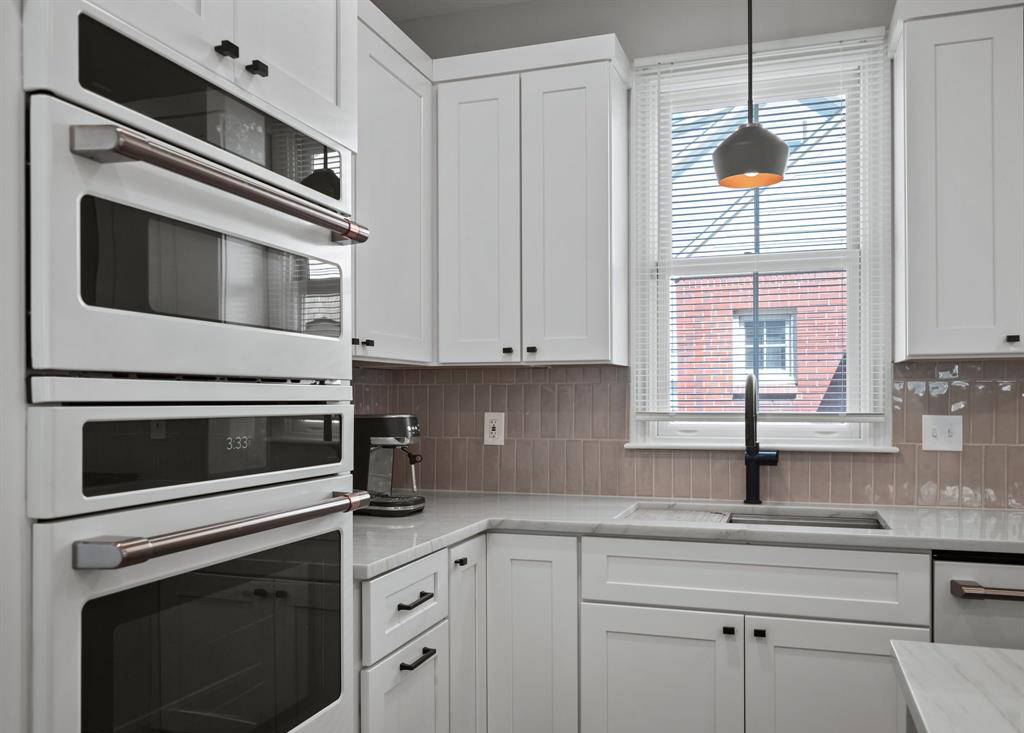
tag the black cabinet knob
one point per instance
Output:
(531, 349)
(728, 630)
(462, 562)
(368, 342)
(1013, 338)
(507, 350)
(760, 633)
(355, 342)
(228, 49)
(257, 68)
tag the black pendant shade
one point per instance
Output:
(752, 156)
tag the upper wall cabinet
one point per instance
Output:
(394, 273)
(959, 174)
(298, 56)
(532, 233)
(478, 220)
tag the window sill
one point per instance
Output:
(774, 445)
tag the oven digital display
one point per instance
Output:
(237, 444)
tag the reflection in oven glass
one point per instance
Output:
(130, 455)
(136, 261)
(246, 646)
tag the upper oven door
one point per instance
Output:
(90, 458)
(241, 620)
(135, 268)
(85, 55)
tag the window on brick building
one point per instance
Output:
(790, 282)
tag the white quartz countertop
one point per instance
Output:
(381, 544)
(955, 689)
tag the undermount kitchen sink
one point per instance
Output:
(769, 516)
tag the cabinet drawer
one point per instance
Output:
(402, 604)
(880, 587)
(408, 690)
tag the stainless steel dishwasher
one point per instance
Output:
(977, 599)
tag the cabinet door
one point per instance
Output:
(190, 27)
(670, 670)
(532, 658)
(962, 108)
(568, 226)
(812, 676)
(478, 220)
(395, 700)
(309, 48)
(395, 198)
(467, 628)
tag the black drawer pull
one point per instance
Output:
(424, 597)
(1013, 338)
(728, 630)
(260, 593)
(427, 654)
(531, 349)
(368, 342)
(760, 633)
(228, 49)
(462, 562)
(257, 68)
(507, 350)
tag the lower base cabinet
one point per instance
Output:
(805, 676)
(467, 629)
(532, 655)
(655, 670)
(408, 689)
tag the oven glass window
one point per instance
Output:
(136, 261)
(129, 455)
(249, 645)
(131, 75)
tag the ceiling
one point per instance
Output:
(403, 10)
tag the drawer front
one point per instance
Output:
(880, 587)
(408, 690)
(990, 621)
(403, 603)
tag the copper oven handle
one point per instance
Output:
(115, 144)
(969, 590)
(108, 553)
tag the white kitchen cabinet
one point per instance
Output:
(652, 670)
(467, 630)
(805, 676)
(408, 690)
(532, 606)
(959, 175)
(574, 214)
(193, 29)
(394, 273)
(478, 220)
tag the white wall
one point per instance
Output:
(644, 27)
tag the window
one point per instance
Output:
(788, 282)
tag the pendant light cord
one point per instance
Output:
(750, 62)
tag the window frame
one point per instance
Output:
(853, 433)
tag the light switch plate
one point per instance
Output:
(942, 432)
(494, 428)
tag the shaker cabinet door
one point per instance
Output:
(467, 621)
(478, 220)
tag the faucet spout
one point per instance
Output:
(753, 456)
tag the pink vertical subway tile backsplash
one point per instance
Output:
(565, 428)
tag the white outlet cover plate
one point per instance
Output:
(942, 432)
(494, 428)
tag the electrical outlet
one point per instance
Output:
(494, 428)
(942, 432)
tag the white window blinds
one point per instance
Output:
(790, 282)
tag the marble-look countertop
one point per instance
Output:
(954, 689)
(381, 544)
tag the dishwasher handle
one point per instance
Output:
(971, 591)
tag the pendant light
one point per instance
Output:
(752, 156)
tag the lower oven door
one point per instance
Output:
(90, 458)
(223, 627)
